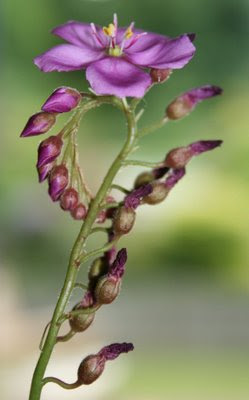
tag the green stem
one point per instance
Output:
(59, 382)
(153, 127)
(120, 188)
(74, 263)
(142, 163)
(66, 337)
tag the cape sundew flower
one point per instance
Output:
(115, 58)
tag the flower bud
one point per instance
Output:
(158, 194)
(49, 150)
(174, 177)
(108, 286)
(178, 158)
(133, 200)
(143, 179)
(39, 123)
(58, 181)
(62, 100)
(160, 75)
(69, 199)
(79, 212)
(186, 102)
(92, 366)
(44, 171)
(80, 322)
(124, 220)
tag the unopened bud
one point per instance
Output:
(186, 102)
(160, 75)
(58, 181)
(158, 194)
(80, 322)
(49, 150)
(124, 220)
(39, 123)
(44, 171)
(62, 100)
(92, 366)
(69, 199)
(143, 179)
(178, 158)
(134, 199)
(79, 212)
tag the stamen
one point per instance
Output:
(135, 39)
(128, 34)
(109, 30)
(115, 21)
(95, 33)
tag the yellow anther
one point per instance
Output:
(110, 30)
(129, 33)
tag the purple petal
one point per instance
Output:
(115, 76)
(162, 53)
(118, 267)
(174, 177)
(133, 200)
(204, 145)
(201, 93)
(114, 350)
(62, 100)
(66, 57)
(39, 123)
(81, 35)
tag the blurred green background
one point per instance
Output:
(185, 297)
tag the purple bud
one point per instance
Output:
(133, 200)
(118, 267)
(58, 181)
(185, 103)
(62, 100)
(204, 145)
(39, 123)
(69, 199)
(49, 150)
(44, 171)
(114, 350)
(92, 366)
(88, 300)
(79, 212)
(160, 75)
(174, 177)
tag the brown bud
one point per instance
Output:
(79, 212)
(143, 179)
(158, 194)
(178, 158)
(90, 369)
(80, 322)
(107, 289)
(124, 220)
(69, 199)
(160, 75)
(179, 108)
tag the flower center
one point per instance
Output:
(115, 51)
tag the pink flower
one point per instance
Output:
(115, 58)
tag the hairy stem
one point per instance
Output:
(77, 256)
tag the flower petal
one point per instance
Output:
(66, 57)
(81, 35)
(158, 52)
(115, 76)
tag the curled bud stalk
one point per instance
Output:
(80, 322)
(133, 200)
(69, 199)
(79, 212)
(49, 150)
(179, 157)
(158, 194)
(62, 100)
(124, 220)
(186, 102)
(160, 75)
(92, 366)
(108, 287)
(58, 181)
(39, 123)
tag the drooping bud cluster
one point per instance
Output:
(92, 366)
(186, 102)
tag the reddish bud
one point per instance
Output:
(39, 123)
(158, 194)
(160, 75)
(62, 100)
(178, 158)
(58, 181)
(49, 150)
(79, 212)
(69, 199)
(44, 171)
(124, 220)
